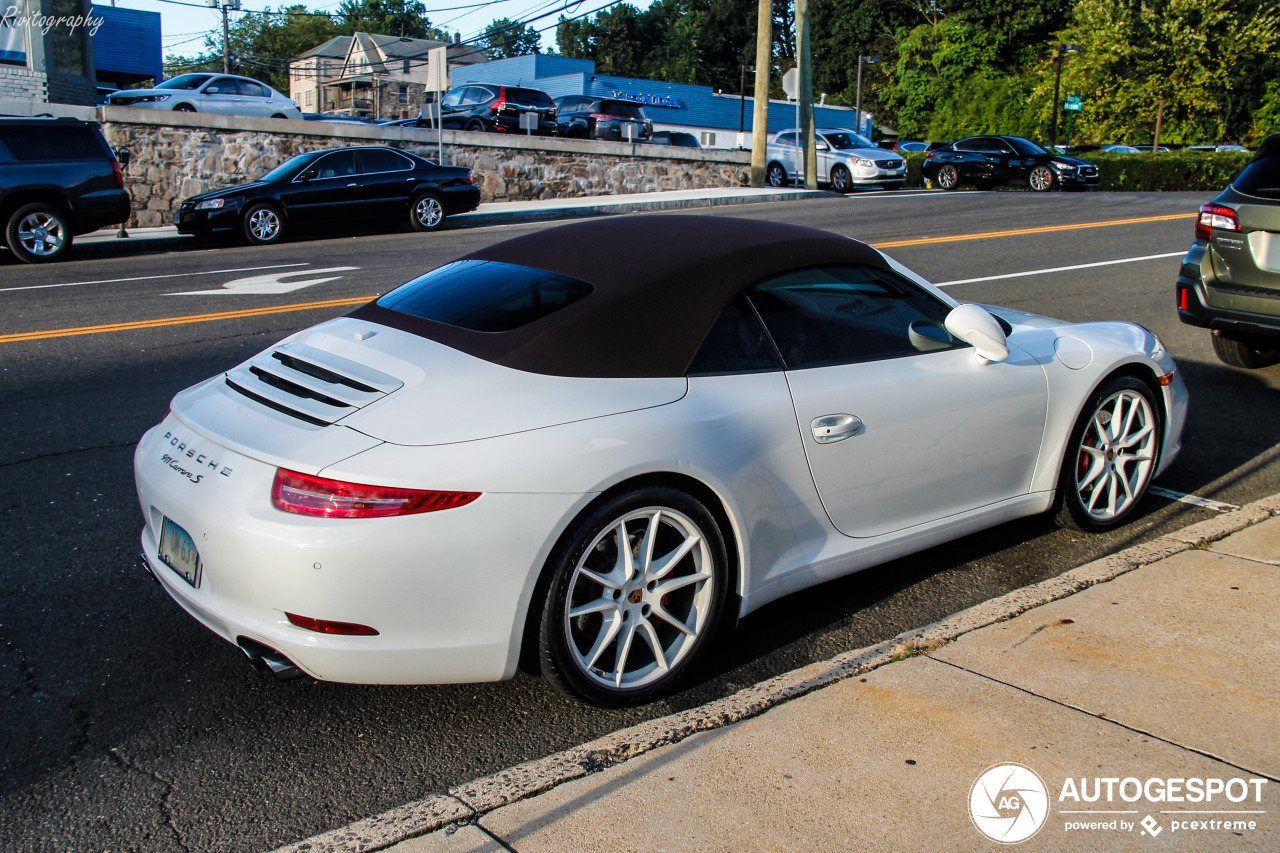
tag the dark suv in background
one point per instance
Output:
(582, 117)
(1229, 282)
(476, 106)
(58, 178)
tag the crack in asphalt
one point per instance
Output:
(165, 809)
(56, 454)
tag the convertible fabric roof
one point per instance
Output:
(660, 284)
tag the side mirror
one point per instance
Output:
(927, 336)
(980, 330)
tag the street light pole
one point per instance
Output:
(742, 102)
(870, 60)
(1063, 50)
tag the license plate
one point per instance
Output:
(178, 552)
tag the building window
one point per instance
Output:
(404, 93)
(406, 66)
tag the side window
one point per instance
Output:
(849, 314)
(971, 144)
(34, 142)
(452, 99)
(381, 160)
(737, 343)
(339, 164)
(221, 86)
(475, 95)
(786, 139)
(252, 89)
(998, 146)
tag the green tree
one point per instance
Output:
(406, 18)
(504, 38)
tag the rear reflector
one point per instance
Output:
(326, 626)
(318, 496)
(1182, 298)
(1215, 217)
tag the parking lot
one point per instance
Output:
(132, 727)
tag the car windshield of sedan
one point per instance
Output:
(1025, 147)
(485, 296)
(185, 81)
(846, 141)
(286, 169)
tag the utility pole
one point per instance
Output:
(760, 112)
(225, 6)
(805, 60)
(869, 60)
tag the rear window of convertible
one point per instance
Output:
(485, 296)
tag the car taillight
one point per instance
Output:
(1215, 216)
(319, 496)
(471, 179)
(598, 116)
(119, 173)
(328, 626)
(501, 102)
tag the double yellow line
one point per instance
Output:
(340, 303)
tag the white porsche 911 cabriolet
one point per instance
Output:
(594, 444)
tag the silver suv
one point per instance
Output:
(846, 161)
(1229, 282)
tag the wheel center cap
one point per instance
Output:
(635, 596)
(1111, 455)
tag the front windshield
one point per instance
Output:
(185, 81)
(286, 169)
(846, 140)
(1023, 146)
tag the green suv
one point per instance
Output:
(1230, 280)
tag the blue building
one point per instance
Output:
(671, 106)
(126, 47)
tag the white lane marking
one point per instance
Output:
(1063, 269)
(1194, 500)
(270, 283)
(149, 277)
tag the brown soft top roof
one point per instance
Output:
(660, 283)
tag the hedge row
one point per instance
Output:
(1175, 171)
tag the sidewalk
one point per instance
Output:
(1160, 665)
(167, 238)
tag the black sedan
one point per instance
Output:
(342, 187)
(989, 161)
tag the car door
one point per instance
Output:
(255, 99)
(826, 157)
(220, 95)
(901, 423)
(450, 105)
(785, 152)
(326, 193)
(384, 181)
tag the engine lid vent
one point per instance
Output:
(311, 384)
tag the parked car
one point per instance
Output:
(1120, 149)
(989, 161)
(1229, 281)
(333, 188)
(484, 107)
(1210, 149)
(1146, 149)
(58, 179)
(210, 93)
(678, 138)
(846, 161)
(906, 146)
(554, 449)
(340, 119)
(584, 117)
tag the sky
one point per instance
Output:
(184, 23)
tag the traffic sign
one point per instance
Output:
(1073, 103)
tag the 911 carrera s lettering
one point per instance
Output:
(173, 463)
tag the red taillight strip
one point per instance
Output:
(304, 494)
(328, 626)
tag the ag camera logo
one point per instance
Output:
(1009, 803)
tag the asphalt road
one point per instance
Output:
(130, 727)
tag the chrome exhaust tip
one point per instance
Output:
(263, 657)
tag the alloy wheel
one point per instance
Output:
(1041, 179)
(841, 182)
(41, 234)
(1116, 456)
(948, 177)
(640, 597)
(264, 224)
(429, 211)
(775, 176)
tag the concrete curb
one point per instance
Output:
(473, 799)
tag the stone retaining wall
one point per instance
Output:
(176, 155)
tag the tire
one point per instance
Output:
(1106, 472)
(427, 213)
(262, 224)
(184, 108)
(841, 180)
(776, 176)
(617, 632)
(280, 115)
(1246, 354)
(1040, 179)
(477, 126)
(38, 233)
(948, 177)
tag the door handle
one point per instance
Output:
(829, 429)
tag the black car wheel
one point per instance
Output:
(949, 177)
(775, 175)
(1040, 179)
(184, 108)
(476, 126)
(38, 233)
(841, 180)
(636, 589)
(427, 213)
(1242, 353)
(279, 115)
(1111, 457)
(263, 224)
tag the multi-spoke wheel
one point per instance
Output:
(776, 176)
(427, 213)
(636, 590)
(262, 224)
(38, 233)
(1113, 453)
(841, 180)
(1040, 179)
(949, 177)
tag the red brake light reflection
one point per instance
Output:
(1215, 216)
(328, 626)
(304, 494)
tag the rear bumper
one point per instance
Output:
(95, 210)
(1194, 300)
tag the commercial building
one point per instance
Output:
(46, 53)
(126, 47)
(713, 117)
